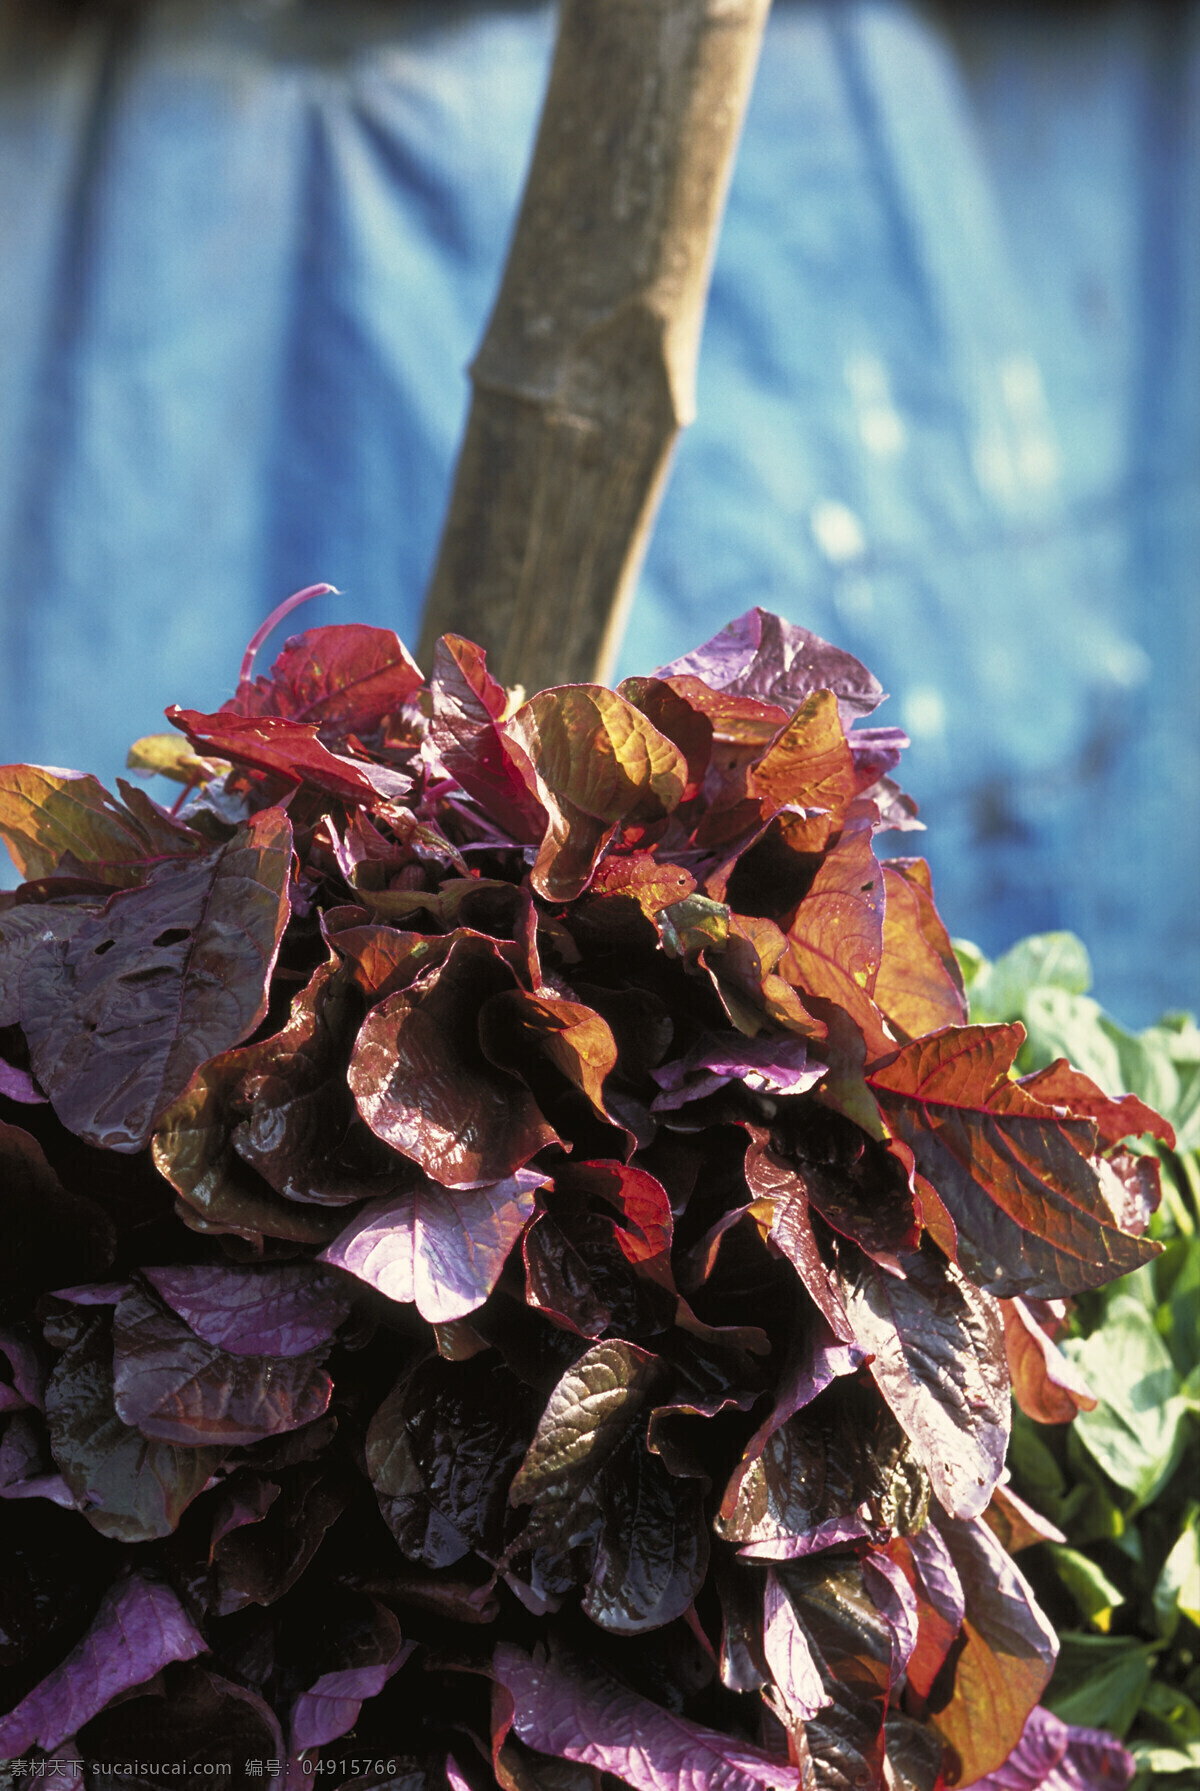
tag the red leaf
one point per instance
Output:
(1031, 1213)
(1061, 1086)
(424, 1085)
(343, 680)
(293, 751)
(468, 709)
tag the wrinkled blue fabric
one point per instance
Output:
(949, 392)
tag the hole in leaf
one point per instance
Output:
(104, 945)
(173, 936)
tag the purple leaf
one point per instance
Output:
(1056, 1756)
(789, 1656)
(939, 1361)
(761, 655)
(131, 1488)
(139, 1628)
(28, 1372)
(18, 1085)
(443, 1248)
(771, 1065)
(118, 1017)
(331, 1705)
(286, 1310)
(94, 1293)
(896, 1603)
(176, 1388)
(577, 1711)
(22, 1449)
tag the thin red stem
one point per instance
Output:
(276, 616)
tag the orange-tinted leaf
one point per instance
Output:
(919, 986)
(809, 764)
(926, 1564)
(1008, 1658)
(1046, 1386)
(681, 719)
(598, 762)
(515, 1026)
(644, 878)
(1031, 1214)
(752, 993)
(66, 821)
(1016, 1524)
(1061, 1086)
(835, 941)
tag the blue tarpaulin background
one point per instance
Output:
(949, 392)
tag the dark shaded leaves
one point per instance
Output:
(938, 1348)
(173, 1386)
(424, 1085)
(139, 1628)
(120, 1015)
(132, 1488)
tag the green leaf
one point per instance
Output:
(1061, 1024)
(1178, 1588)
(1136, 1432)
(1171, 1712)
(971, 962)
(1100, 1681)
(1088, 1585)
(1164, 1760)
(1046, 960)
(1182, 1309)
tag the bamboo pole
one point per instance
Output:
(586, 372)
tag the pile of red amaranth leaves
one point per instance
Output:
(513, 1254)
